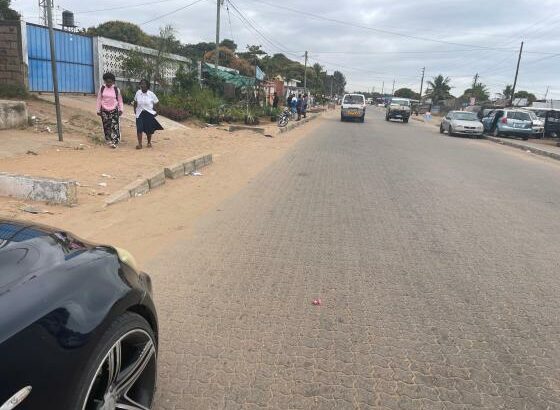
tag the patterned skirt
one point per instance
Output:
(111, 126)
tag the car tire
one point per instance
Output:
(524, 138)
(128, 325)
(405, 120)
(386, 118)
(341, 118)
(441, 128)
(450, 131)
(363, 119)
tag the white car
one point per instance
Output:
(538, 124)
(461, 123)
(353, 106)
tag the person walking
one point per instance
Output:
(293, 105)
(304, 106)
(110, 108)
(145, 106)
(299, 106)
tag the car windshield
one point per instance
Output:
(400, 102)
(354, 99)
(519, 115)
(464, 116)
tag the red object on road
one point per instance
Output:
(317, 302)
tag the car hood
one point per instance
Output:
(463, 123)
(27, 249)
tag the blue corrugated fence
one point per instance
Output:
(74, 56)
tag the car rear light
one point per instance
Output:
(504, 120)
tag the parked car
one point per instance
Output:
(510, 122)
(353, 106)
(550, 118)
(461, 123)
(398, 108)
(78, 327)
(538, 124)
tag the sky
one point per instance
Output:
(372, 42)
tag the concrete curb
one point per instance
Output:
(524, 147)
(291, 125)
(50, 190)
(233, 128)
(157, 178)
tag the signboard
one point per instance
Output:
(259, 74)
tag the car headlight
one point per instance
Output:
(127, 258)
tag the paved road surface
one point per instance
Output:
(436, 259)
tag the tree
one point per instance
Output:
(507, 91)
(407, 93)
(229, 59)
(7, 13)
(525, 94)
(253, 54)
(339, 84)
(478, 91)
(227, 43)
(438, 88)
(122, 31)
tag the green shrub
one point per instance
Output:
(14, 91)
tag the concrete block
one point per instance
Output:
(119, 196)
(156, 178)
(13, 114)
(174, 171)
(57, 191)
(199, 162)
(189, 166)
(233, 128)
(207, 159)
(138, 188)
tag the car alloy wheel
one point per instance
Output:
(126, 377)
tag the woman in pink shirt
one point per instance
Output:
(110, 107)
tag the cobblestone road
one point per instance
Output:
(436, 260)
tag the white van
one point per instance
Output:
(353, 106)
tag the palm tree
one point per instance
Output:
(439, 88)
(507, 91)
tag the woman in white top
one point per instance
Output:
(145, 105)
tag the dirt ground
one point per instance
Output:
(143, 225)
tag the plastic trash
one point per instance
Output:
(317, 302)
(103, 184)
(196, 174)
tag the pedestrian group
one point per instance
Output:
(110, 108)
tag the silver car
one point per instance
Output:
(461, 123)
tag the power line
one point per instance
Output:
(229, 20)
(123, 7)
(355, 25)
(172, 12)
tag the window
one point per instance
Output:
(465, 116)
(354, 99)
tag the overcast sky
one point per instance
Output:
(371, 41)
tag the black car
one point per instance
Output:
(78, 327)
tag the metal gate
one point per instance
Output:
(74, 56)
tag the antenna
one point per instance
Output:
(43, 4)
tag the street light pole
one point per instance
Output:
(305, 76)
(422, 82)
(516, 73)
(54, 71)
(217, 57)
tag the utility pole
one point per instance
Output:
(383, 89)
(546, 94)
(53, 69)
(516, 73)
(393, 92)
(422, 82)
(305, 76)
(475, 80)
(217, 57)
(332, 81)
